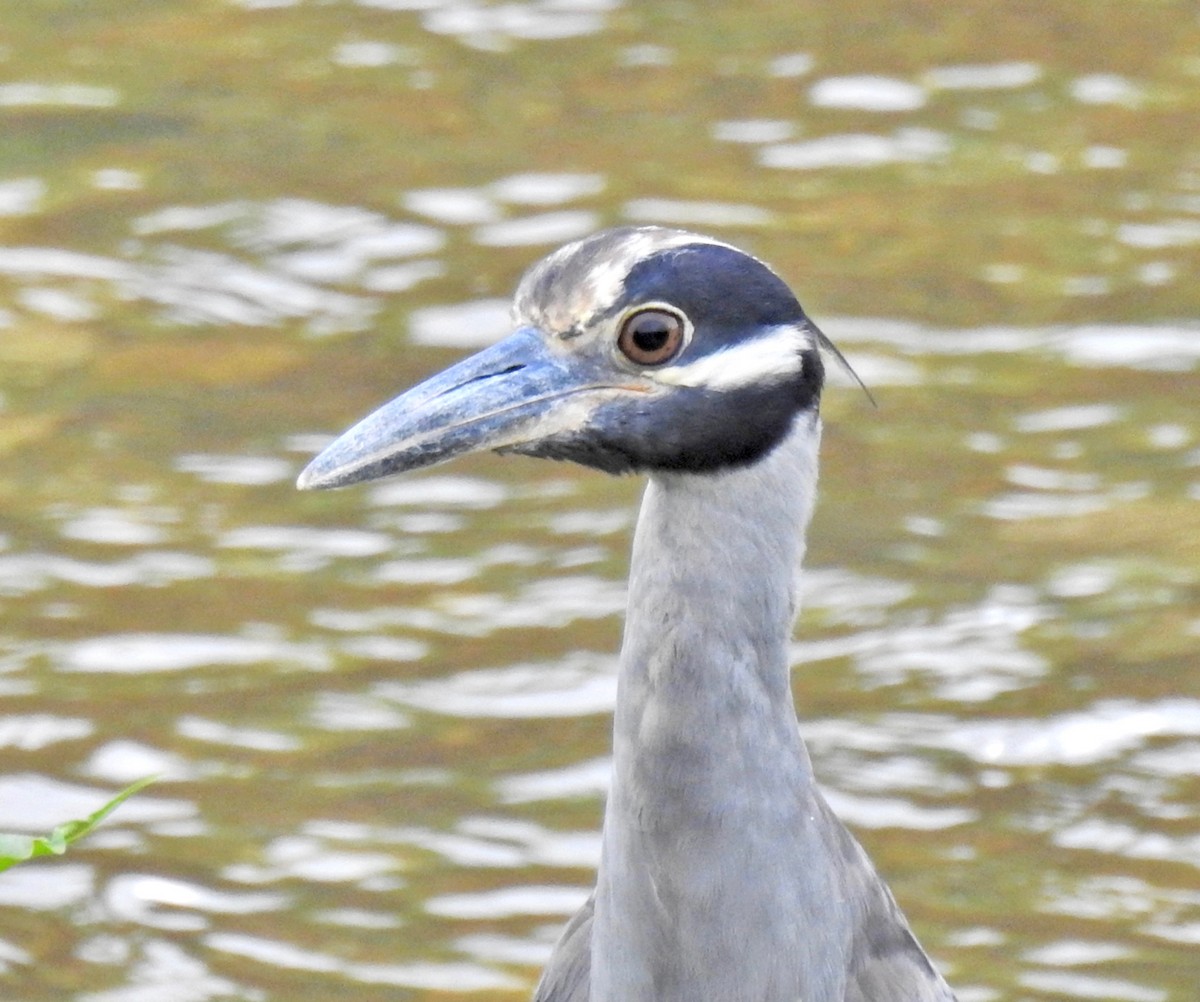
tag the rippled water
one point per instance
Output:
(381, 716)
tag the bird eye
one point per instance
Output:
(651, 337)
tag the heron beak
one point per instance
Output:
(504, 396)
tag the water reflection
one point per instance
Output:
(158, 652)
(64, 95)
(857, 149)
(273, 954)
(984, 76)
(29, 802)
(867, 93)
(537, 230)
(583, 684)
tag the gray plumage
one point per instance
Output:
(724, 876)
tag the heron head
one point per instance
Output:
(635, 349)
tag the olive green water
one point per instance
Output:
(227, 229)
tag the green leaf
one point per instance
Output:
(19, 848)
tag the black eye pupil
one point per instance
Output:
(651, 334)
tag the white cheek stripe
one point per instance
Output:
(769, 358)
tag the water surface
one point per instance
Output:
(227, 229)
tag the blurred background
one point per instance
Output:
(228, 228)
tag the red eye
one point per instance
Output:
(651, 337)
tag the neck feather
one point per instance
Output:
(712, 590)
(705, 731)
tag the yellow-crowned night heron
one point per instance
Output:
(724, 876)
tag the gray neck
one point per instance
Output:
(711, 780)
